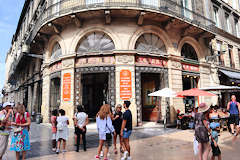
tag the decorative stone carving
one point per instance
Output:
(68, 63)
(125, 59)
(177, 65)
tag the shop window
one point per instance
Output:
(56, 52)
(95, 42)
(149, 42)
(188, 52)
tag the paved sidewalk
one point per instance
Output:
(172, 146)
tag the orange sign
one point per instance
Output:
(67, 87)
(125, 85)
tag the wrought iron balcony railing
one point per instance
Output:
(168, 7)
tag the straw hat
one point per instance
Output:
(203, 107)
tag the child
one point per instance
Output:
(214, 140)
(54, 129)
(62, 130)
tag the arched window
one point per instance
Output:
(189, 52)
(95, 42)
(149, 42)
(56, 52)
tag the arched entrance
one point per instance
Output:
(95, 75)
(151, 75)
(190, 74)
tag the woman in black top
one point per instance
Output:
(117, 123)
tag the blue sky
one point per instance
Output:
(10, 11)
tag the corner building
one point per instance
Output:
(91, 52)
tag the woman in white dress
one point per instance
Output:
(62, 130)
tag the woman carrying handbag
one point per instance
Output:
(105, 130)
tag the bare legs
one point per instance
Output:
(203, 150)
(59, 144)
(100, 149)
(126, 144)
(120, 141)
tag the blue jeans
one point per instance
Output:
(127, 134)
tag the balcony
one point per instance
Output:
(165, 7)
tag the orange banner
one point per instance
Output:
(67, 87)
(125, 85)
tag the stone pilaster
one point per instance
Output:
(175, 82)
(45, 95)
(29, 105)
(68, 106)
(126, 62)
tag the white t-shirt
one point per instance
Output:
(81, 118)
(63, 120)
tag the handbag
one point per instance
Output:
(108, 135)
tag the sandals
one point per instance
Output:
(121, 150)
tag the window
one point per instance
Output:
(236, 27)
(95, 42)
(186, 8)
(239, 56)
(188, 52)
(231, 59)
(220, 53)
(234, 4)
(149, 42)
(56, 52)
(228, 26)
(150, 2)
(216, 16)
(89, 2)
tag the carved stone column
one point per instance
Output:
(45, 95)
(126, 62)
(67, 86)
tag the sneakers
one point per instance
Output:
(54, 149)
(101, 154)
(125, 156)
(57, 151)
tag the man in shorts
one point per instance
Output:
(233, 107)
(4, 132)
(126, 129)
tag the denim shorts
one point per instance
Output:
(127, 134)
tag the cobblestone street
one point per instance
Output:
(147, 144)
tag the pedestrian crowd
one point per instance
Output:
(109, 125)
(207, 126)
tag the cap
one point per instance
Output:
(214, 125)
(7, 104)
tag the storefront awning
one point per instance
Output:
(230, 74)
(221, 88)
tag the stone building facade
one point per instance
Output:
(70, 52)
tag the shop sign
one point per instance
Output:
(94, 61)
(55, 67)
(189, 67)
(67, 87)
(125, 84)
(151, 61)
